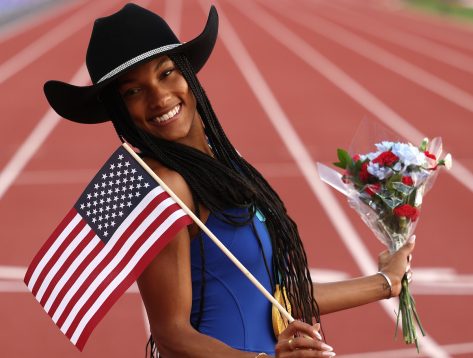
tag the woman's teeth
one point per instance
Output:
(169, 115)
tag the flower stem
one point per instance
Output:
(407, 311)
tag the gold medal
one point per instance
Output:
(280, 322)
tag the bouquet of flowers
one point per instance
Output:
(386, 188)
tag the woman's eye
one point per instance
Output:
(131, 92)
(167, 72)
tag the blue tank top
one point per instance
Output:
(235, 311)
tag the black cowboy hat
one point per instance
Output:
(119, 42)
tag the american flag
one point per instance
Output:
(119, 224)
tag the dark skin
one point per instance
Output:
(160, 102)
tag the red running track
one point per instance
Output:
(290, 81)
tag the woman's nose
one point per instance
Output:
(158, 96)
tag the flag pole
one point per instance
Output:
(211, 235)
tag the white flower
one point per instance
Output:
(384, 146)
(409, 154)
(379, 172)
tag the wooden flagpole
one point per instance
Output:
(211, 235)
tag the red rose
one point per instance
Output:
(364, 174)
(430, 155)
(407, 180)
(356, 157)
(372, 189)
(407, 211)
(386, 158)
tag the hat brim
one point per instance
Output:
(81, 104)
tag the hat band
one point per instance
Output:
(137, 59)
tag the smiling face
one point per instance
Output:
(160, 101)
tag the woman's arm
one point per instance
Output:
(337, 296)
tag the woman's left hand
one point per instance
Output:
(397, 264)
(299, 339)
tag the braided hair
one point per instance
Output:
(226, 181)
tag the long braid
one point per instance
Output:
(289, 258)
(228, 182)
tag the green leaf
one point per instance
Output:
(345, 160)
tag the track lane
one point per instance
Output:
(15, 42)
(368, 73)
(27, 104)
(421, 52)
(49, 40)
(231, 97)
(13, 36)
(431, 27)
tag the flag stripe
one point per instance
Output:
(127, 240)
(143, 263)
(66, 269)
(76, 237)
(52, 244)
(58, 250)
(118, 273)
(73, 294)
(97, 246)
(42, 252)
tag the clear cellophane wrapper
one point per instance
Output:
(377, 200)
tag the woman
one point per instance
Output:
(198, 303)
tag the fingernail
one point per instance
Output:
(317, 334)
(328, 354)
(412, 239)
(326, 347)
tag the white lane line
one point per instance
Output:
(418, 15)
(380, 56)
(36, 18)
(34, 141)
(429, 26)
(51, 39)
(412, 42)
(296, 148)
(349, 86)
(323, 275)
(173, 15)
(12, 272)
(454, 349)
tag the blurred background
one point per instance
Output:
(291, 81)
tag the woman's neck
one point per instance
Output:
(198, 140)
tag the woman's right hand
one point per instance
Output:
(300, 339)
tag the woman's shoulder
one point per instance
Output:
(173, 180)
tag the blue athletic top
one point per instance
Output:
(235, 311)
